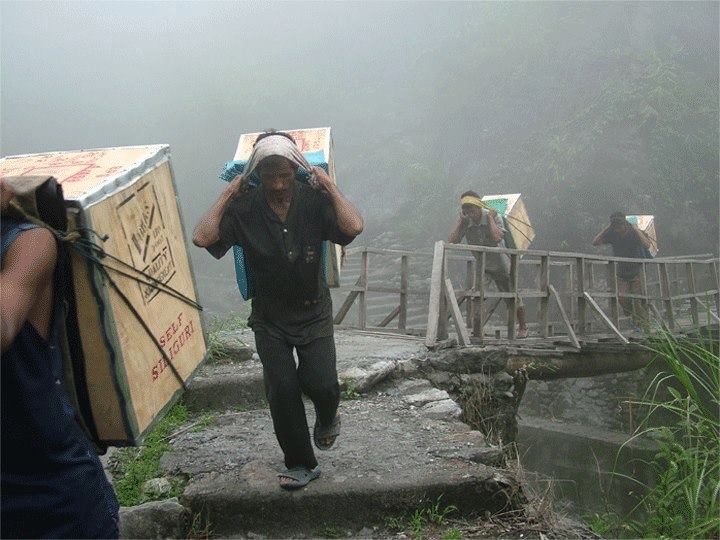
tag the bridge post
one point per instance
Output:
(402, 317)
(479, 301)
(613, 286)
(544, 300)
(666, 293)
(693, 299)
(581, 301)
(437, 308)
(514, 270)
(716, 284)
(469, 286)
(362, 305)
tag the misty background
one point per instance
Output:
(584, 108)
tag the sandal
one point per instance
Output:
(301, 475)
(330, 432)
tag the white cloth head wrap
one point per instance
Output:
(278, 145)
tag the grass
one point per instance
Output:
(349, 391)
(219, 350)
(452, 534)
(434, 515)
(206, 420)
(134, 466)
(684, 501)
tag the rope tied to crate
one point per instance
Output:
(79, 241)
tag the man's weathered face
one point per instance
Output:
(277, 175)
(471, 211)
(619, 226)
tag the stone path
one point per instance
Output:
(402, 448)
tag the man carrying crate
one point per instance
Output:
(281, 225)
(52, 482)
(481, 226)
(629, 242)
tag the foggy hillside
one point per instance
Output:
(585, 108)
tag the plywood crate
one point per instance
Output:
(517, 221)
(316, 146)
(646, 225)
(129, 195)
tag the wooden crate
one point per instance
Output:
(129, 195)
(517, 221)
(316, 146)
(646, 224)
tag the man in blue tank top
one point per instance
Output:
(52, 482)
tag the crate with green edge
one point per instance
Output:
(139, 335)
(511, 207)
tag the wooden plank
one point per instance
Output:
(463, 336)
(469, 286)
(690, 273)
(479, 302)
(614, 300)
(390, 316)
(544, 301)
(362, 304)
(604, 317)
(709, 311)
(580, 291)
(402, 321)
(347, 304)
(436, 294)
(571, 332)
(667, 295)
(512, 312)
(716, 277)
(489, 312)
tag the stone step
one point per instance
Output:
(390, 460)
(360, 358)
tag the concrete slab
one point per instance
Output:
(389, 460)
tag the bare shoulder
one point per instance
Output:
(33, 254)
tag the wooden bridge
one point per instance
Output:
(572, 300)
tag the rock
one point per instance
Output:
(441, 410)
(156, 487)
(255, 357)
(377, 373)
(433, 394)
(157, 519)
(354, 374)
(365, 532)
(469, 360)
(412, 386)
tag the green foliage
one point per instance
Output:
(134, 466)
(434, 514)
(331, 531)
(684, 502)
(349, 392)
(395, 524)
(452, 534)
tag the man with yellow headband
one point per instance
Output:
(481, 226)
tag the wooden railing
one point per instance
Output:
(363, 287)
(677, 293)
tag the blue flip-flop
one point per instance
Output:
(302, 476)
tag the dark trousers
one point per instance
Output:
(315, 376)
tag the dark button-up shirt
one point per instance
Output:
(283, 260)
(629, 246)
